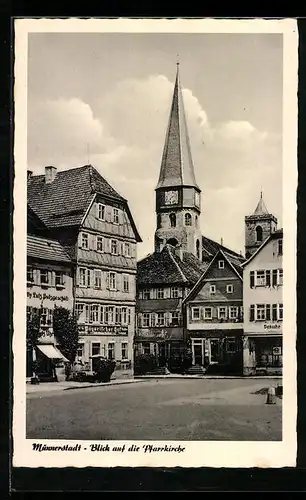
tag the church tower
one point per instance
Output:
(178, 197)
(258, 227)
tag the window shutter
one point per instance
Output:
(89, 277)
(119, 282)
(252, 312)
(268, 312)
(106, 245)
(268, 278)
(107, 280)
(274, 312)
(252, 279)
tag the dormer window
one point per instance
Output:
(221, 264)
(188, 220)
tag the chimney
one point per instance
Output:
(29, 174)
(50, 174)
(222, 242)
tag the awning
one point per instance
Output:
(51, 352)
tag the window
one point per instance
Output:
(114, 247)
(207, 313)
(118, 315)
(84, 240)
(174, 292)
(110, 315)
(124, 350)
(111, 350)
(198, 248)
(100, 244)
(233, 312)
(124, 315)
(127, 249)
(112, 281)
(46, 317)
(280, 311)
(260, 312)
(98, 278)
(160, 293)
(101, 211)
(59, 278)
(221, 264)
(145, 319)
(152, 319)
(188, 220)
(172, 218)
(126, 283)
(95, 348)
(212, 289)
(260, 278)
(195, 311)
(30, 277)
(115, 216)
(146, 347)
(277, 312)
(44, 277)
(160, 319)
(258, 233)
(102, 316)
(146, 294)
(80, 350)
(94, 313)
(84, 276)
(222, 312)
(229, 288)
(231, 344)
(280, 247)
(175, 318)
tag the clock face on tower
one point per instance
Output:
(171, 197)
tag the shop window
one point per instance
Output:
(95, 348)
(124, 350)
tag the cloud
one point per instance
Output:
(125, 136)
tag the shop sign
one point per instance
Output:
(276, 351)
(272, 326)
(104, 329)
(47, 296)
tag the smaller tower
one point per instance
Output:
(258, 227)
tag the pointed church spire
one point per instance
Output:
(177, 166)
(261, 208)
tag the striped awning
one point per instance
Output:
(51, 352)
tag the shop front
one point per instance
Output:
(217, 351)
(262, 355)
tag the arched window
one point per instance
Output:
(259, 233)
(198, 248)
(172, 220)
(187, 220)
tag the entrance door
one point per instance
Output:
(214, 350)
(198, 354)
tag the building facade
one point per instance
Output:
(49, 284)
(94, 225)
(214, 316)
(263, 307)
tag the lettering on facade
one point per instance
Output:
(108, 329)
(272, 326)
(47, 296)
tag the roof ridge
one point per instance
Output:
(178, 267)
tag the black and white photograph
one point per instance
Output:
(154, 243)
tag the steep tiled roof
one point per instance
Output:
(46, 249)
(236, 263)
(166, 267)
(177, 166)
(64, 201)
(210, 248)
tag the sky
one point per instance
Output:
(104, 99)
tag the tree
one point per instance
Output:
(33, 329)
(65, 329)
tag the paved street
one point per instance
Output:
(196, 409)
